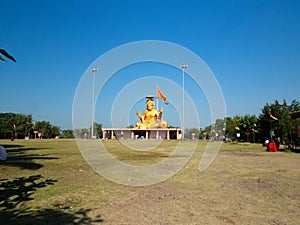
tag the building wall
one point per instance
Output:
(153, 134)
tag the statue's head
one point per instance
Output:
(150, 104)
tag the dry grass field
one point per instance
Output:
(48, 182)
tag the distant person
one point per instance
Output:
(266, 142)
(272, 146)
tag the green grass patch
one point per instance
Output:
(49, 182)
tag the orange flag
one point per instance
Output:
(159, 94)
(273, 117)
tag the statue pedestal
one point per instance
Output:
(148, 134)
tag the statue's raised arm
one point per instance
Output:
(138, 113)
(160, 113)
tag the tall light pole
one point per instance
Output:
(93, 70)
(183, 66)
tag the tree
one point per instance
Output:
(245, 126)
(218, 129)
(98, 129)
(68, 133)
(47, 130)
(230, 131)
(20, 125)
(206, 132)
(275, 121)
(82, 133)
(295, 107)
(248, 126)
(7, 125)
(23, 125)
(15, 125)
(192, 133)
(55, 131)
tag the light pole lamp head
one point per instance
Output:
(94, 69)
(183, 66)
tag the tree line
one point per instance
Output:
(17, 125)
(274, 122)
(85, 133)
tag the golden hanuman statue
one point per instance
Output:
(151, 117)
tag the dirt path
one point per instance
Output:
(239, 188)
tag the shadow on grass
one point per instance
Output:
(21, 149)
(25, 161)
(18, 157)
(14, 194)
(12, 146)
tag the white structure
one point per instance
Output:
(93, 70)
(148, 134)
(183, 66)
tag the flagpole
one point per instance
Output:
(156, 98)
(271, 121)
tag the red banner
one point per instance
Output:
(160, 95)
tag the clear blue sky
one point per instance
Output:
(252, 47)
